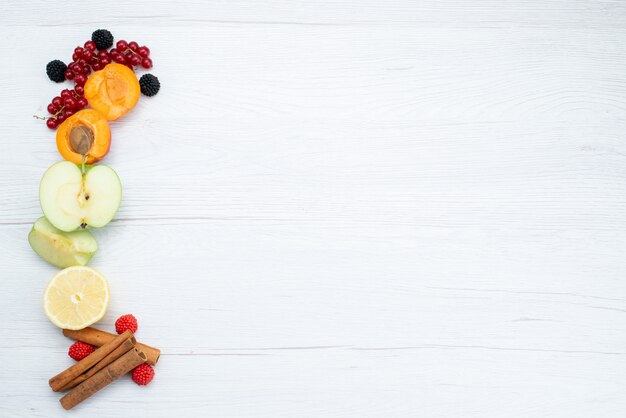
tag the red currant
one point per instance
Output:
(103, 53)
(69, 74)
(90, 45)
(78, 51)
(68, 113)
(75, 56)
(65, 93)
(134, 46)
(52, 109)
(80, 79)
(51, 123)
(121, 45)
(69, 102)
(82, 62)
(61, 118)
(87, 55)
(82, 103)
(96, 66)
(119, 58)
(86, 70)
(113, 51)
(144, 51)
(57, 102)
(79, 90)
(135, 60)
(76, 68)
(146, 63)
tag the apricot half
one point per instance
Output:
(112, 91)
(85, 132)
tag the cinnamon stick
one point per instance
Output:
(98, 338)
(59, 381)
(114, 355)
(103, 378)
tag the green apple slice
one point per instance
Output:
(59, 248)
(72, 200)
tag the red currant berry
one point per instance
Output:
(87, 55)
(134, 46)
(86, 70)
(75, 56)
(144, 51)
(69, 74)
(69, 102)
(57, 102)
(105, 61)
(60, 118)
(135, 60)
(51, 123)
(96, 66)
(78, 51)
(119, 58)
(79, 90)
(82, 62)
(121, 45)
(80, 79)
(90, 45)
(52, 109)
(65, 93)
(103, 53)
(68, 113)
(146, 63)
(113, 51)
(82, 103)
(76, 68)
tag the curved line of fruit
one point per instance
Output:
(75, 194)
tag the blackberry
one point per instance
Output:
(102, 38)
(149, 84)
(56, 70)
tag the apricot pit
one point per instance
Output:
(85, 133)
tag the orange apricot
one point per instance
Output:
(112, 91)
(85, 132)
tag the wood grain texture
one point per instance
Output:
(341, 208)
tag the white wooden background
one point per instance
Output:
(355, 208)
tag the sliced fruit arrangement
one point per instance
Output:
(72, 199)
(74, 195)
(76, 297)
(86, 133)
(60, 248)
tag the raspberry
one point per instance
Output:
(79, 350)
(125, 322)
(143, 374)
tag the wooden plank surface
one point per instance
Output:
(340, 208)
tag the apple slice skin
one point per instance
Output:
(71, 200)
(59, 248)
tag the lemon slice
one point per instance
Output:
(76, 297)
